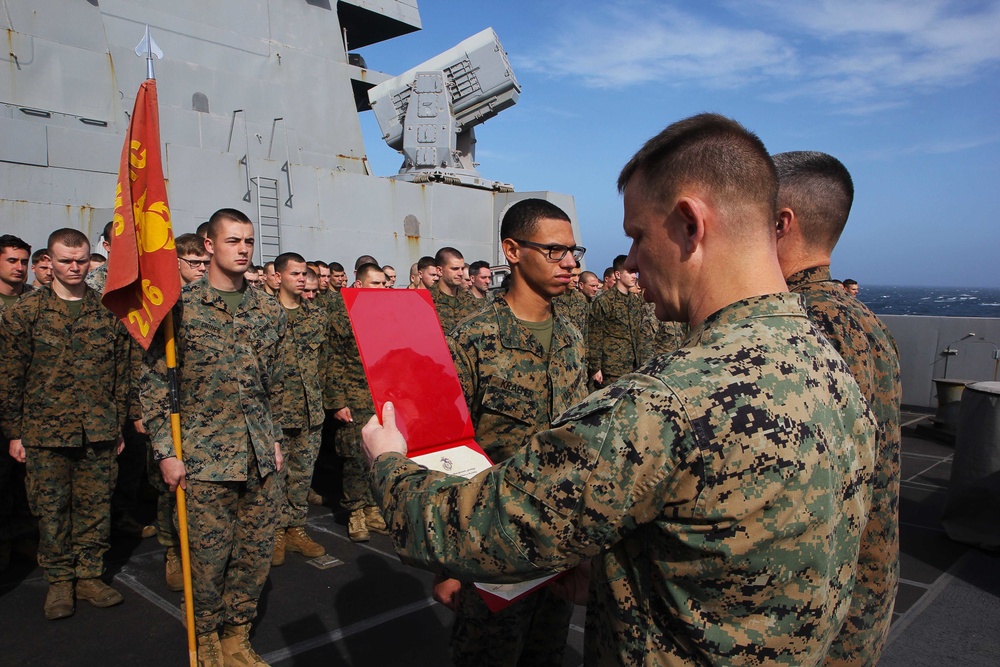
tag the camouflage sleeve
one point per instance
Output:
(327, 370)
(154, 397)
(336, 394)
(466, 368)
(595, 338)
(611, 464)
(276, 372)
(124, 373)
(15, 357)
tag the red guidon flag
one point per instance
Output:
(143, 282)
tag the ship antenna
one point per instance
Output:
(148, 48)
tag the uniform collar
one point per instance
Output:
(816, 274)
(515, 336)
(780, 304)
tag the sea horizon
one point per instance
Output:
(932, 300)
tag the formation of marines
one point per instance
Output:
(727, 494)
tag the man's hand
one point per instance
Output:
(598, 377)
(573, 586)
(446, 591)
(279, 460)
(119, 445)
(343, 415)
(139, 428)
(17, 450)
(384, 437)
(173, 473)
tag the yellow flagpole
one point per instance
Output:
(182, 522)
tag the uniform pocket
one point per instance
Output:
(510, 400)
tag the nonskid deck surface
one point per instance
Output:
(370, 609)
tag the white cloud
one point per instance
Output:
(857, 54)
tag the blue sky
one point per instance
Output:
(904, 92)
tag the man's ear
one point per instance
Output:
(691, 214)
(786, 218)
(511, 250)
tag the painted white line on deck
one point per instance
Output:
(149, 594)
(914, 421)
(343, 633)
(911, 582)
(918, 526)
(929, 468)
(937, 457)
(925, 486)
(364, 545)
(941, 583)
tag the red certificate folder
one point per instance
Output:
(408, 363)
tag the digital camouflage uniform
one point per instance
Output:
(615, 341)
(15, 517)
(870, 351)
(97, 278)
(229, 370)
(513, 390)
(67, 386)
(349, 388)
(453, 309)
(307, 372)
(720, 491)
(574, 304)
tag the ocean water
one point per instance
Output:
(939, 301)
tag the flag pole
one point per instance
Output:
(182, 521)
(148, 48)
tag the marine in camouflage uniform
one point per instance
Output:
(349, 390)
(576, 307)
(719, 490)
(453, 309)
(615, 341)
(513, 387)
(67, 385)
(665, 336)
(230, 371)
(814, 202)
(307, 375)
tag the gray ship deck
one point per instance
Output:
(372, 610)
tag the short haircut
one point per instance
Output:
(336, 267)
(37, 256)
(715, 152)
(71, 238)
(476, 266)
(320, 263)
(17, 243)
(282, 260)
(269, 264)
(202, 229)
(446, 253)
(608, 272)
(364, 259)
(367, 269)
(224, 214)
(586, 275)
(521, 219)
(619, 263)
(849, 281)
(819, 189)
(311, 275)
(106, 234)
(425, 263)
(190, 244)
(97, 257)
(387, 267)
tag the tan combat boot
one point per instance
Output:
(59, 600)
(174, 571)
(236, 649)
(278, 557)
(209, 650)
(374, 520)
(297, 540)
(97, 593)
(314, 498)
(357, 527)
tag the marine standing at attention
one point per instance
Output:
(64, 358)
(305, 350)
(815, 193)
(452, 301)
(616, 342)
(520, 362)
(229, 369)
(719, 490)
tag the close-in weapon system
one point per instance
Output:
(429, 112)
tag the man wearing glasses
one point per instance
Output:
(192, 258)
(520, 362)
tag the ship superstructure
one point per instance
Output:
(259, 105)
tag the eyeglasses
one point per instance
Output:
(195, 263)
(555, 251)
